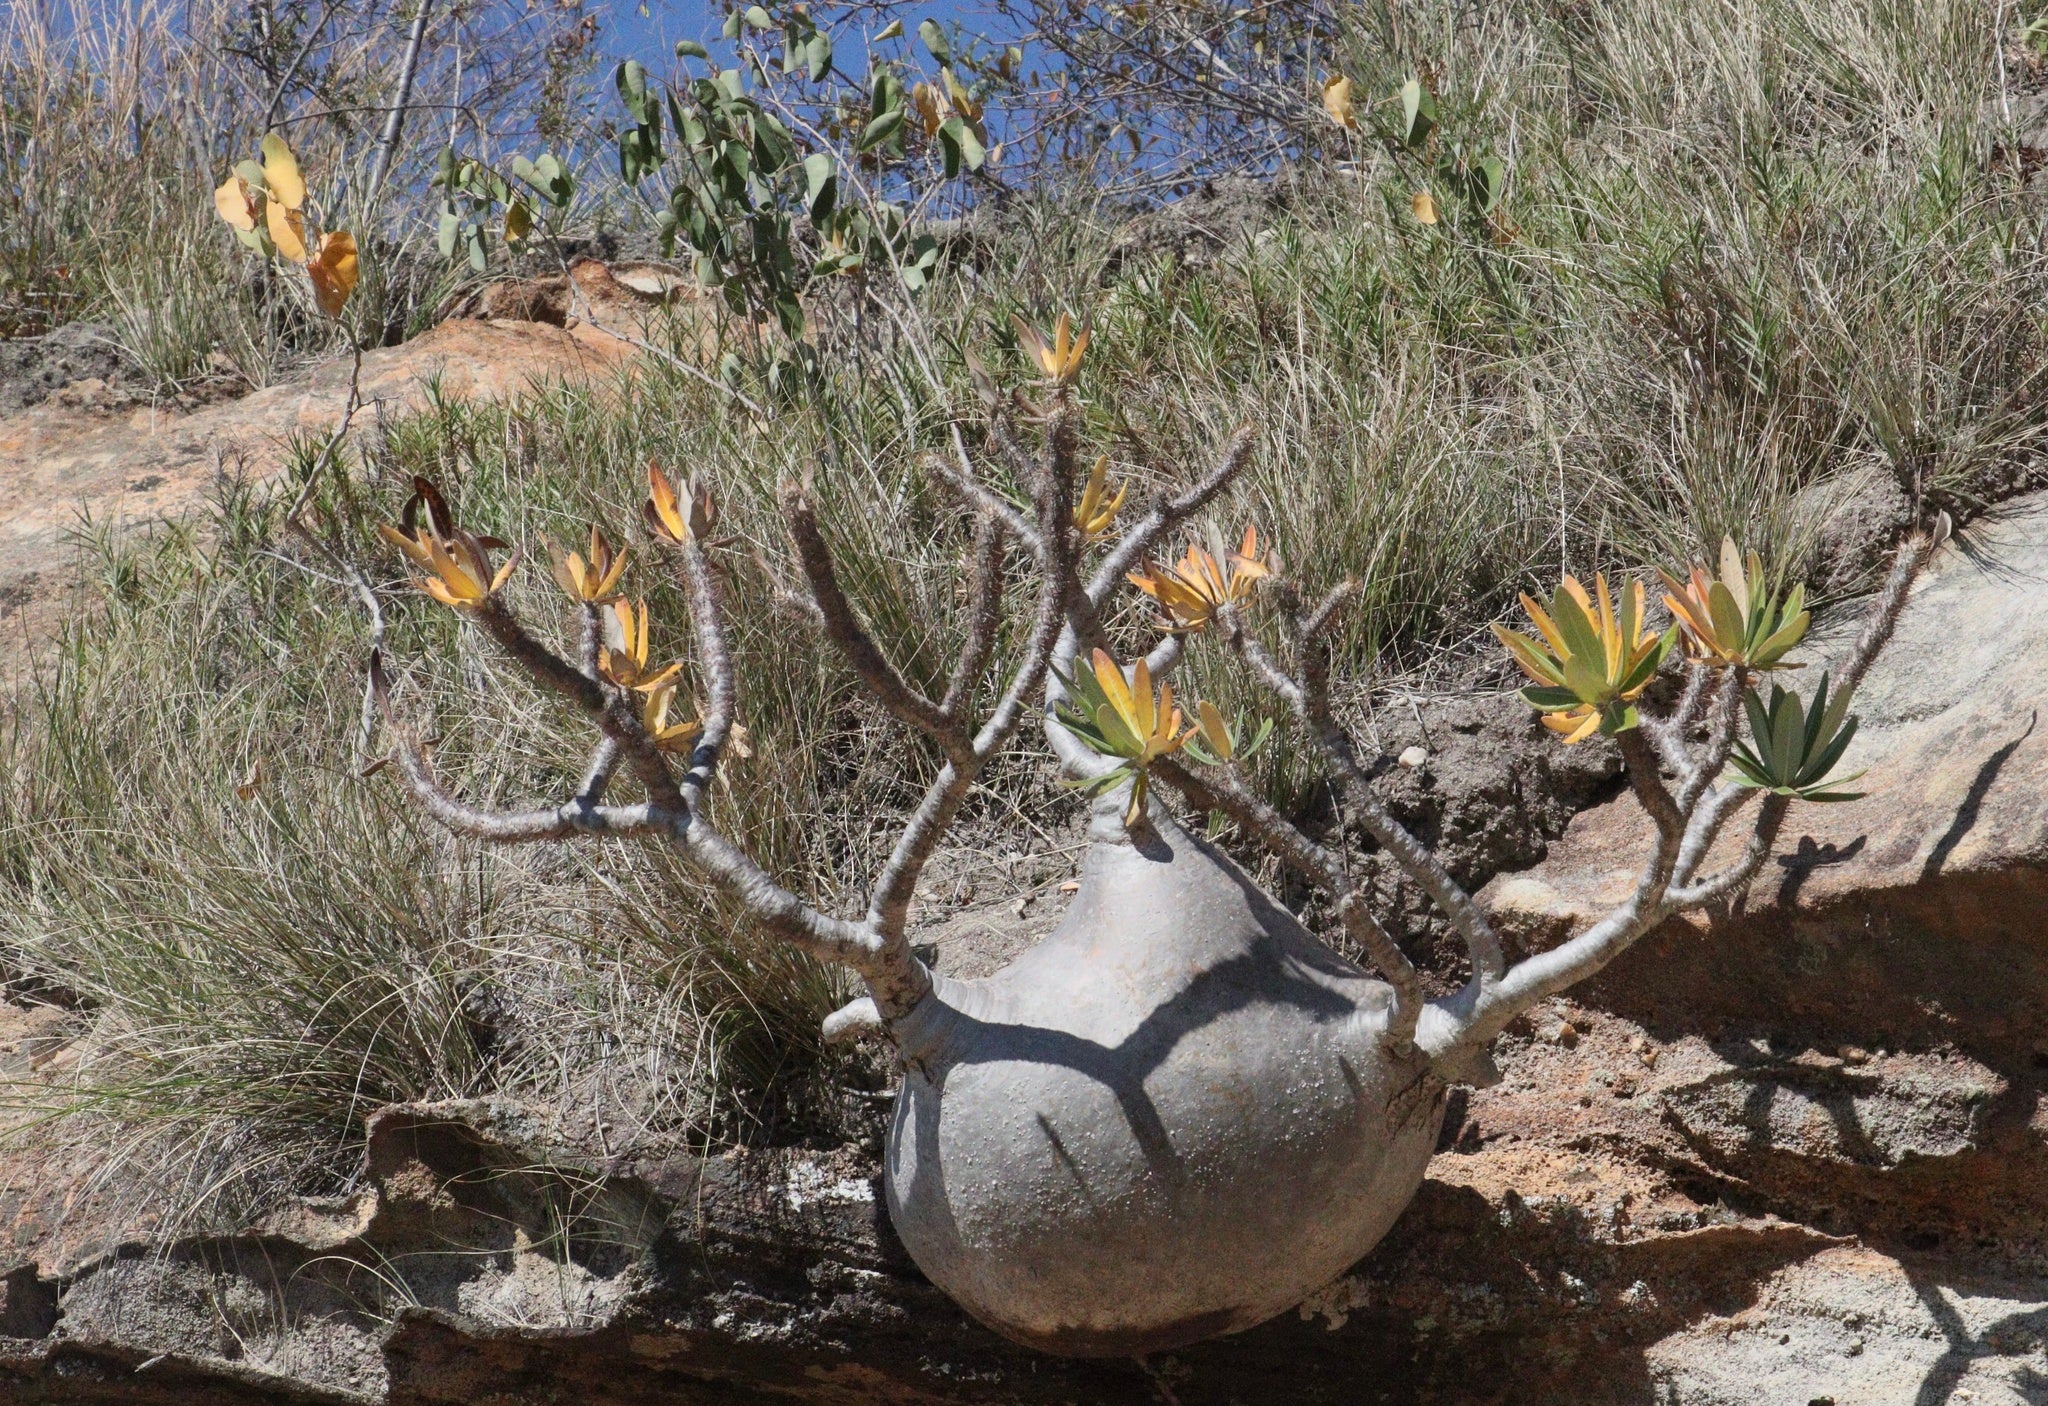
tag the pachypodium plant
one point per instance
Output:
(1181, 1112)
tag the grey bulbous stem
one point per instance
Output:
(1175, 1117)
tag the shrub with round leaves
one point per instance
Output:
(265, 205)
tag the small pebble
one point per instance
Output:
(1414, 756)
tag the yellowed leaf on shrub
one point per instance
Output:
(924, 100)
(287, 231)
(281, 173)
(518, 221)
(238, 205)
(1337, 100)
(333, 270)
(1424, 206)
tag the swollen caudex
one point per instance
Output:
(1181, 1113)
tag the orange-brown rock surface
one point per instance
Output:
(94, 452)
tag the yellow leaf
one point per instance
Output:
(1337, 100)
(518, 221)
(1214, 731)
(924, 101)
(287, 231)
(333, 271)
(238, 205)
(963, 104)
(281, 173)
(1424, 206)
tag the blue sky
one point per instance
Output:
(630, 34)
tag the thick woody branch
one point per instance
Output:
(1308, 696)
(897, 980)
(984, 617)
(1883, 614)
(612, 714)
(714, 666)
(1669, 734)
(597, 776)
(579, 816)
(1641, 762)
(592, 642)
(889, 905)
(1732, 880)
(904, 701)
(1317, 622)
(978, 495)
(1703, 828)
(1721, 730)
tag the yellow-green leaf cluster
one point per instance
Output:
(1127, 720)
(593, 582)
(1734, 621)
(675, 518)
(667, 736)
(1205, 580)
(459, 564)
(627, 664)
(1059, 356)
(1591, 661)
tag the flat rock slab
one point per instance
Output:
(76, 457)
(1952, 740)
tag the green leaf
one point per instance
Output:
(882, 129)
(1619, 717)
(691, 49)
(821, 186)
(757, 17)
(892, 30)
(731, 28)
(451, 228)
(1581, 637)
(1418, 113)
(1820, 764)
(631, 81)
(1486, 180)
(962, 146)
(818, 57)
(1550, 700)
(935, 40)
